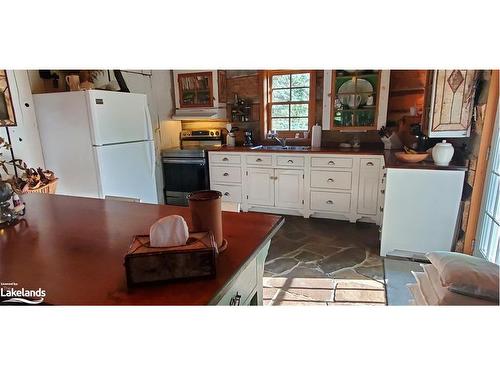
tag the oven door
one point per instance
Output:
(183, 176)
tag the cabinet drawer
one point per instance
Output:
(331, 180)
(330, 162)
(291, 161)
(330, 201)
(226, 174)
(230, 193)
(368, 164)
(225, 158)
(243, 286)
(259, 160)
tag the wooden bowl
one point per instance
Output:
(411, 158)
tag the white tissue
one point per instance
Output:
(169, 231)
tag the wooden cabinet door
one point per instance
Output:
(452, 101)
(369, 175)
(357, 99)
(195, 90)
(260, 186)
(289, 188)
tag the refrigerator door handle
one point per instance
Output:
(153, 164)
(149, 123)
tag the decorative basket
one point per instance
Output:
(50, 188)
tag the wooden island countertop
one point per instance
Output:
(74, 248)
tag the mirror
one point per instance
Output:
(7, 117)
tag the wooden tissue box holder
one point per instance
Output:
(146, 264)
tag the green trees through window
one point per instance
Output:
(289, 101)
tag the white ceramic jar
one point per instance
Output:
(442, 153)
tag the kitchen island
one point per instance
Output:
(73, 248)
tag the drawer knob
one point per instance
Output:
(235, 301)
(227, 194)
(290, 161)
(329, 202)
(382, 191)
(369, 164)
(258, 160)
(331, 162)
(330, 180)
(225, 174)
(225, 159)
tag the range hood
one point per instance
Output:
(200, 114)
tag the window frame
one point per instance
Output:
(268, 76)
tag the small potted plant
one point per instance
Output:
(31, 181)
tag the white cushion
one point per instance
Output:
(424, 284)
(467, 275)
(417, 294)
(447, 297)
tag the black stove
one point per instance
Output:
(188, 151)
(185, 168)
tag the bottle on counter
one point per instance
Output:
(316, 136)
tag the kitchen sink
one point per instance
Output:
(281, 148)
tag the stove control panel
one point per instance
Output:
(207, 133)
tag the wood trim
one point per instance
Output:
(482, 163)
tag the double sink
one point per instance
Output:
(281, 148)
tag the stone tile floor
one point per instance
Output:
(324, 262)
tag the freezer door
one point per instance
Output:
(118, 117)
(127, 171)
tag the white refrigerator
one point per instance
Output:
(98, 143)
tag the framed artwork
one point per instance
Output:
(7, 116)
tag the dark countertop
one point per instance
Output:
(323, 150)
(74, 249)
(457, 164)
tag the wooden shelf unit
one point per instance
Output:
(373, 108)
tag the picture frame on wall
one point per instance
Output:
(7, 115)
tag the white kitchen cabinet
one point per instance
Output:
(226, 174)
(289, 187)
(420, 211)
(451, 103)
(330, 201)
(260, 186)
(331, 180)
(323, 185)
(369, 186)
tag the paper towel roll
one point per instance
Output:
(316, 136)
(169, 231)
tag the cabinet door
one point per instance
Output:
(358, 99)
(195, 89)
(289, 188)
(452, 102)
(369, 175)
(260, 186)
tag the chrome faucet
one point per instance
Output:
(273, 135)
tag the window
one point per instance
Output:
(290, 100)
(488, 239)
